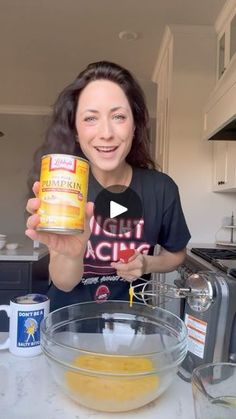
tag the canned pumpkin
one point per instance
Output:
(63, 193)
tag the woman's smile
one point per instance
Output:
(106, 149)
(106, 152)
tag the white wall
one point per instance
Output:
(23, 134)
(190, 157)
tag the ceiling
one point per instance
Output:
(44, 44)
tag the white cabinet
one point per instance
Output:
(220, 108)
(224, 166)
(186, 61)
(232, 41)
(221, 61)
(226, 37)
(163, 81)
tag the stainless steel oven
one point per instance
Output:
(209, 307)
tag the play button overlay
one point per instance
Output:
(118, 209)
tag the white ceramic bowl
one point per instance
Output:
(12, 246)
(3, 240)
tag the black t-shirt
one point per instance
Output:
(162, 223)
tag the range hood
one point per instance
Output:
(226, 133)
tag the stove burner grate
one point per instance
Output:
(212, 254)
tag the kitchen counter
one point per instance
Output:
(24, 252)
(27, 391)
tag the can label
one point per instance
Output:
(63, 193)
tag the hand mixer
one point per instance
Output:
(197, 289)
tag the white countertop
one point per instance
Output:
(25, 251)
(28, 392)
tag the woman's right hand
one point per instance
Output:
(70, 245)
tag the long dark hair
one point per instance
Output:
(61, 134)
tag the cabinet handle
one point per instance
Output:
(221, 182)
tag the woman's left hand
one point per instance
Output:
(133, 269)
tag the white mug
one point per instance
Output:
(25, 315)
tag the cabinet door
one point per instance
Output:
(162, 129)
(226, 40)
(221, 64)
(14, 276)
(233, 37)
(224, 166)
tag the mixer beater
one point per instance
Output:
(197, 291)
(149, 292)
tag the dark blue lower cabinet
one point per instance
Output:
(20, 278)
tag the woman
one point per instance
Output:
(102, 116)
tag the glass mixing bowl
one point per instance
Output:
(112, 357)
